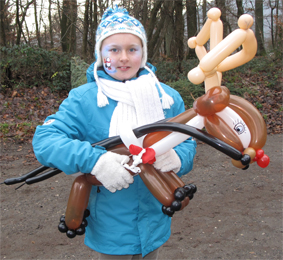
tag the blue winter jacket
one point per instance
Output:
(129, 221)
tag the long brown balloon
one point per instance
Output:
(77, 202)
(156, 185)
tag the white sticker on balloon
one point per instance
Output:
(237, 124)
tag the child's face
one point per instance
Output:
(122, 55)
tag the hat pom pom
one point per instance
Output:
(109, 11)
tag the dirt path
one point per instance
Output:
(235, 214)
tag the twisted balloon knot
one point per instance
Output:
(142, 155)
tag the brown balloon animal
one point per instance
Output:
(164, 185)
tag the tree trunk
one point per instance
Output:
(50, 25)
(203, 12)
(136, 8)
(277, 20)
(36, 24)
(2, 23)
(45, 36)
(27, 30)
(192, 23)
(153, 18)
(169, 25)
(221, 5)
(19, 23)
(179, 25)
(158, 36)
(240, 8)
(144, 13)
(59, 10)
(73, 27)
(156, 27)
(64, 25)
(191, 6)
(85, 33)
(93, 25)
(259, 26)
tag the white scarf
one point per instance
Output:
(138, 102)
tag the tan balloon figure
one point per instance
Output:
(230, 118)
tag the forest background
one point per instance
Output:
(46, 47)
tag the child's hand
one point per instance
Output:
(111, 173)
(168, 161)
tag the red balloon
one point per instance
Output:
(259, 154)
(263, 161)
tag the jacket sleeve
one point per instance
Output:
(60, 141)
(186, 150)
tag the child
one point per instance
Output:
(125, 218)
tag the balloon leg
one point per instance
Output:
(77, 203)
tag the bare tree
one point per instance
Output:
(19, 22)
(259, 26)
(64, 25)
(28, 33)
(144, 11)
(222, 6)
(179, 25)
(86, 26)
(203, 11)
(36, 24)
(3, 8)
(50, 25)
(154, 28)
(93, 25)
(191, 17)
(68, 26)
(169, 25)
(240, 10)
(272, 7)
(73, 21)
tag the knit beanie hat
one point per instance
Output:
(119, 21)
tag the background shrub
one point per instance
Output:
(27, 67)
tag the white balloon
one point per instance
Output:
(127, 136)
(237, 124)
(173, 139)
(197, 121)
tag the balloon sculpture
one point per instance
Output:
(233, 126)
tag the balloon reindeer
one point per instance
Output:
(218, 111)
(233, 126)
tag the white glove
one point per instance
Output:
(111, 173)
(168, 161)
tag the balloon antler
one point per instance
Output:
(217, 60)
